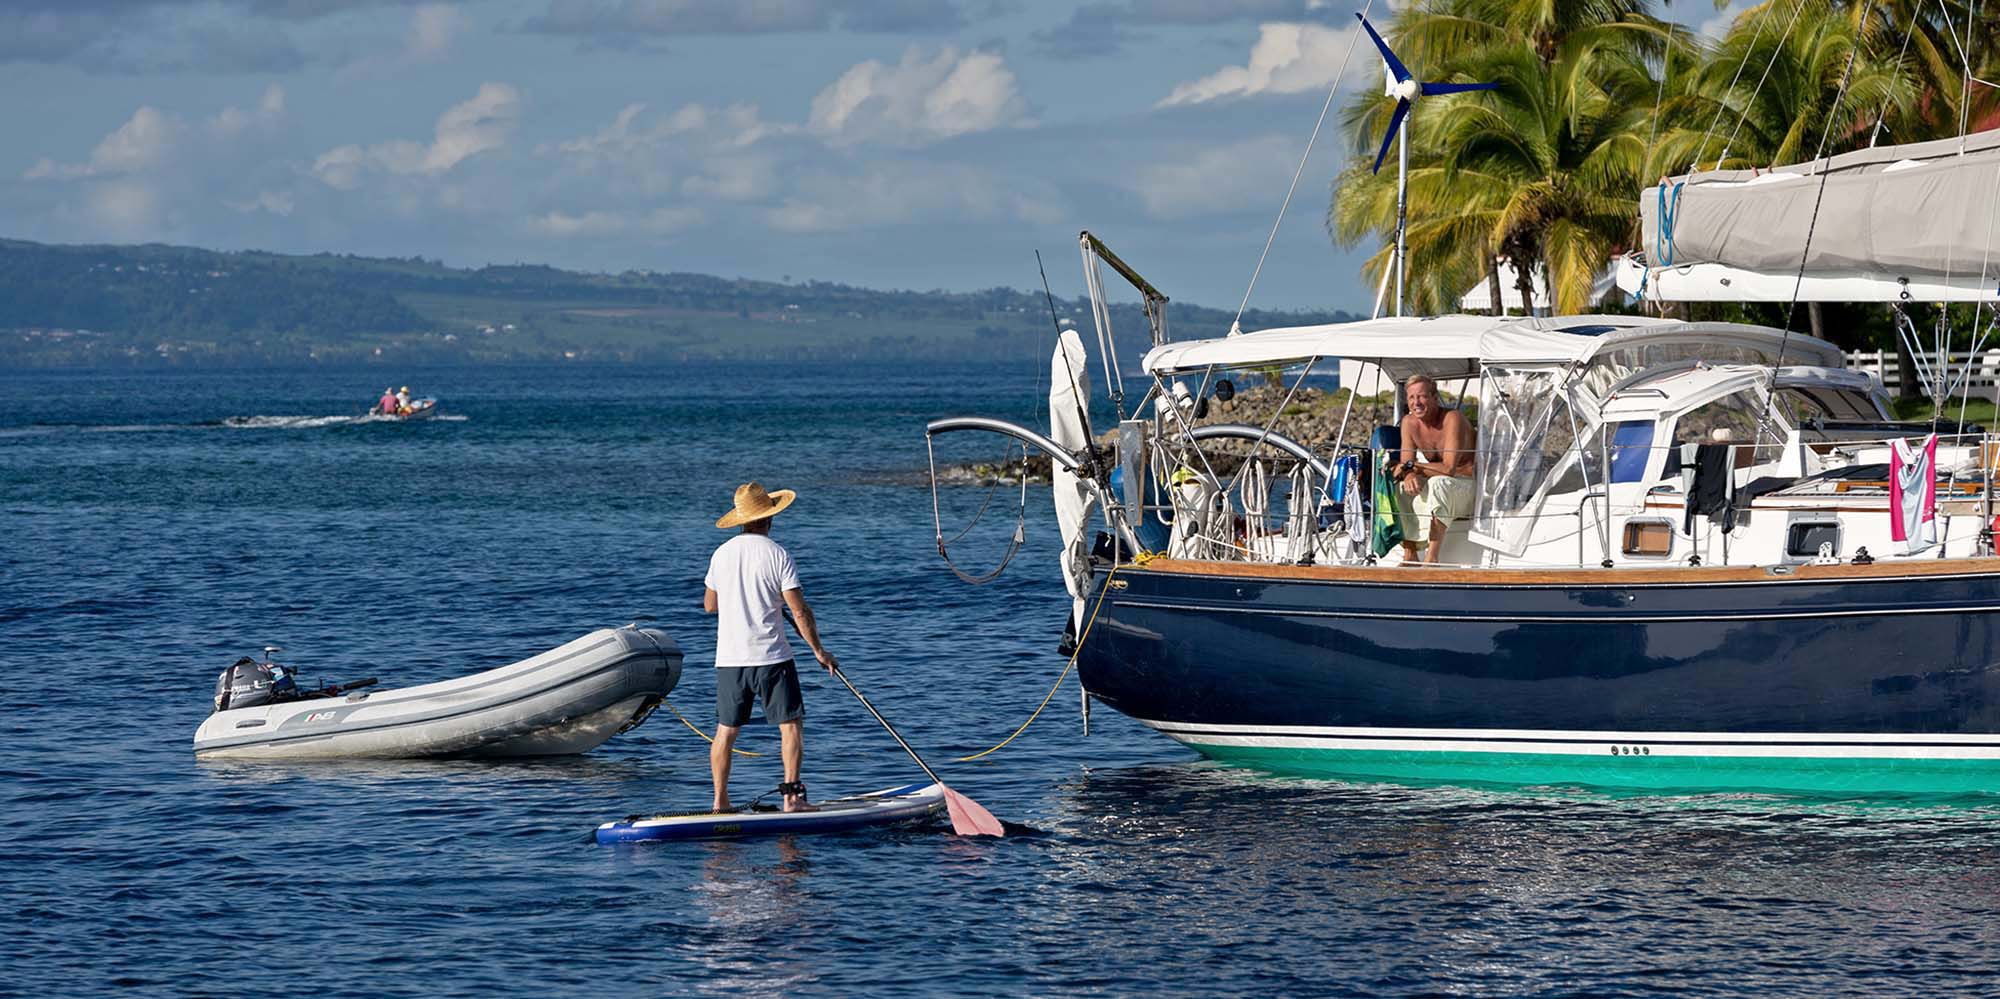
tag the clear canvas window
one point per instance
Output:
(1525, 434)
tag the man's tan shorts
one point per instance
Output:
(1447, 498)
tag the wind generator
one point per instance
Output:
(1406, 89)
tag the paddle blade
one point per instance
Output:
(1430, 89)
(1395, 122)
(968, 817)
(1395, 65)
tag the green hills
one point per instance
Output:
(154, 305)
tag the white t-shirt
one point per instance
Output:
(750, 574)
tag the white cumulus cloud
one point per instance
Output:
(143, 141)
(1244, 175)
(1286, 59)
(463, 131)
(920, 99)
(232, 119)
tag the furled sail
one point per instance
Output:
(1915, 221)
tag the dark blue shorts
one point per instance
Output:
(775, 686)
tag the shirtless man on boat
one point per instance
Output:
(751, 582)
(1440, 491)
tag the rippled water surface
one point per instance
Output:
(157, 526)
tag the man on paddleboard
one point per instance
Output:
(751, 580)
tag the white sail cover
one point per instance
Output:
(1069, 404)
(1918, 218)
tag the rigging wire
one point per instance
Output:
(1778, 49)
(1882, 113)
(1825, 171)
(1723, 104)
(1235, 325)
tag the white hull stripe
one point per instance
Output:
(1831, 745)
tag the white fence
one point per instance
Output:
(1984, 366)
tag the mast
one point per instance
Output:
(1402, 208)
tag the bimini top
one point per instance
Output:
(1455, 346)
(1581, 338)
(1440, 346)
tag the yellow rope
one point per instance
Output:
(704, 735)
(1101, 594)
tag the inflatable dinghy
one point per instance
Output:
(896, 804)
(566, 700)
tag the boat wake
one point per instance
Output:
(289, 422)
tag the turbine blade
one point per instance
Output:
(1454, 88)
(1395, 121)
(1395, 65)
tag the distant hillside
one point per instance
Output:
(167, 305)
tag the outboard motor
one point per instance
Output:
(248, 683)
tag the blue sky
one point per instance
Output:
(889, 143)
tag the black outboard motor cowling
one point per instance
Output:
(248, 683)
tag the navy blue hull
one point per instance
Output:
(1907, 656)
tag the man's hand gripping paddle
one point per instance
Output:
(968, 817)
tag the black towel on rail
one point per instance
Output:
(1709, 496)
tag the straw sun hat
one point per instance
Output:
(753, 503)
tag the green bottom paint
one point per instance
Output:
(1878, 775)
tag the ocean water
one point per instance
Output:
(153, 527)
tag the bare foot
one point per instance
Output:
(798, 803)
(721, 805)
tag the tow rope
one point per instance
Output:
(704, 735)
(1101, 594)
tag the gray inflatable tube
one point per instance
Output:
(569, 699)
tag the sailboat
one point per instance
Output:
(1702, 555)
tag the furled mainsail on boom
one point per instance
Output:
(1918, 218)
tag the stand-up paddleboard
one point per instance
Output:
(891, 805)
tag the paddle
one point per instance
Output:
(968, 817)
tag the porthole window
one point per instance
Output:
(1650, 538)
(1803, 538)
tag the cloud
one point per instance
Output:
(903, 193)
(695, 150)
(463, 131)
(124, 207)
(233, 120)
(1104, 27)
(612, 18)
(1249, 174)
(1286, 59)
(1716, 28)
(919, 99)
(153, 36)
(279, 203)
(141, 142)
(659, 222)
(433, 27)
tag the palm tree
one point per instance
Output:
(1788, 82)
(1544, 171)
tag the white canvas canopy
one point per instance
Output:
(1582, 338)
(1862, 226)
(1440, 346)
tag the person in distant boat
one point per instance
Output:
(387, 405)
(1435, 470)
(403, 400)
(751, 581)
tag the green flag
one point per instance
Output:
(1385, 527)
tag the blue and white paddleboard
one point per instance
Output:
(895, 804)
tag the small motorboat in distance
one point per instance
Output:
(420, 409)
(569, 699)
